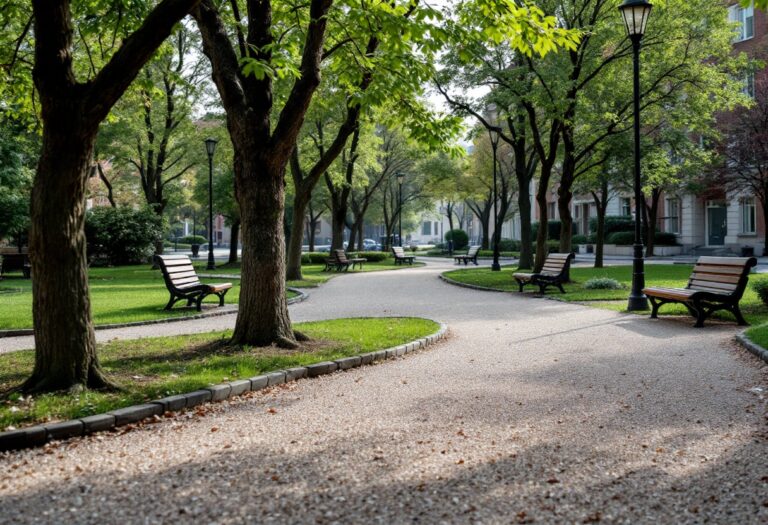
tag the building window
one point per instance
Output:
(626, 206)
(673, 216)
(426, 228)
(747, 209)
(748, 84)
(745, 18)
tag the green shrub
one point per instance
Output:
(122, 235)
(314, 257)
(193, 239)
(613, 223)
(665, 239)
(553, 246)
(459, 237)
(603, 283)
(372, 256)
(489, 253)
(621, 238)
(761, 288)
(553, 229)
(509, 245)
(628, 239)
(579, 239)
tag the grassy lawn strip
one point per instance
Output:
(759, 335)
(666, 275)
(118, 295)
(314, 275)
(149, 369)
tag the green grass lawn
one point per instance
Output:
(313, 274)
(118, 295)
(149, 369)
(667, 275)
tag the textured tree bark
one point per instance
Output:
(526, 231)
(233, 245)
(65, 345)
(293, 268)
(541, 235)
(64, 336)
(601, 204)
(262, 317)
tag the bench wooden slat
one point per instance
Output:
(716, 278)
(175, 270)
(718, 270)
(724, 288)
(178, 262)
(179, 276)
(186, 281)
(740, 262)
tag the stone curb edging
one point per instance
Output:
(755, 348)
(41, 434)
(28, 331)
(470, 286)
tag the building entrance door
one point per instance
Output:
(717, 225)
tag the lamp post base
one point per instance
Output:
(637, 299)
(211, 262)
(495, 267)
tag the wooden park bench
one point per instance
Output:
(339, 261)
(400, 256)
(471, 256)
(14, 262)
(717, 283)
(182, 282)
(553, 273)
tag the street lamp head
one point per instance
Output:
(493, 113)
(494, 132)
(635, 13)
(210, 146)
(400, 178)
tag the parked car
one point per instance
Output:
(369, 245)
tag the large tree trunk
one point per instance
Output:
(65, 342)
(262, 317)
(764, 204)
(653, 213)
(296, 239)
(234, 242)
(526, 231)
(601, 205)
(541, 235)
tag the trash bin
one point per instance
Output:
(747, 251)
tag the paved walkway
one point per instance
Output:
(534, 411)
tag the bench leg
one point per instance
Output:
(701, 314)
(199, 302)
(654, 307)
(560, 285)
(171, 302)
(221, 297)
(520, 285)
(737, 314)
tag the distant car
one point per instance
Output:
(370, 245)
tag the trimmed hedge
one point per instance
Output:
(320, 257)
(628, 238)
(553, 229)
(193, 239)
(613, 223)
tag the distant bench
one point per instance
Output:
(400, 256)
(14, 262)
(471, 256)
(339, 261)
(553, 273)
(182, 282)
(717, 283)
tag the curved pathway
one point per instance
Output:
(534, 411)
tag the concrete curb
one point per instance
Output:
(755, 348)
(216, 313)
(470, 286)
(41, 434)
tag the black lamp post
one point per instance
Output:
(494, 131)
(210, 148)
(400, 179)
(635, 14)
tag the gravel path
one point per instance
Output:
(534, 411)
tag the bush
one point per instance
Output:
(372, 256)
(122, 235)
(613, 223)
(761, 288)
(665, 239)
(314, 257)
(193, 239)
(579, 239)
(509, 245)
(628, 239)
(459, 237)
(489, 253)
(552, 246)
(603, 283)
(553, 229)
